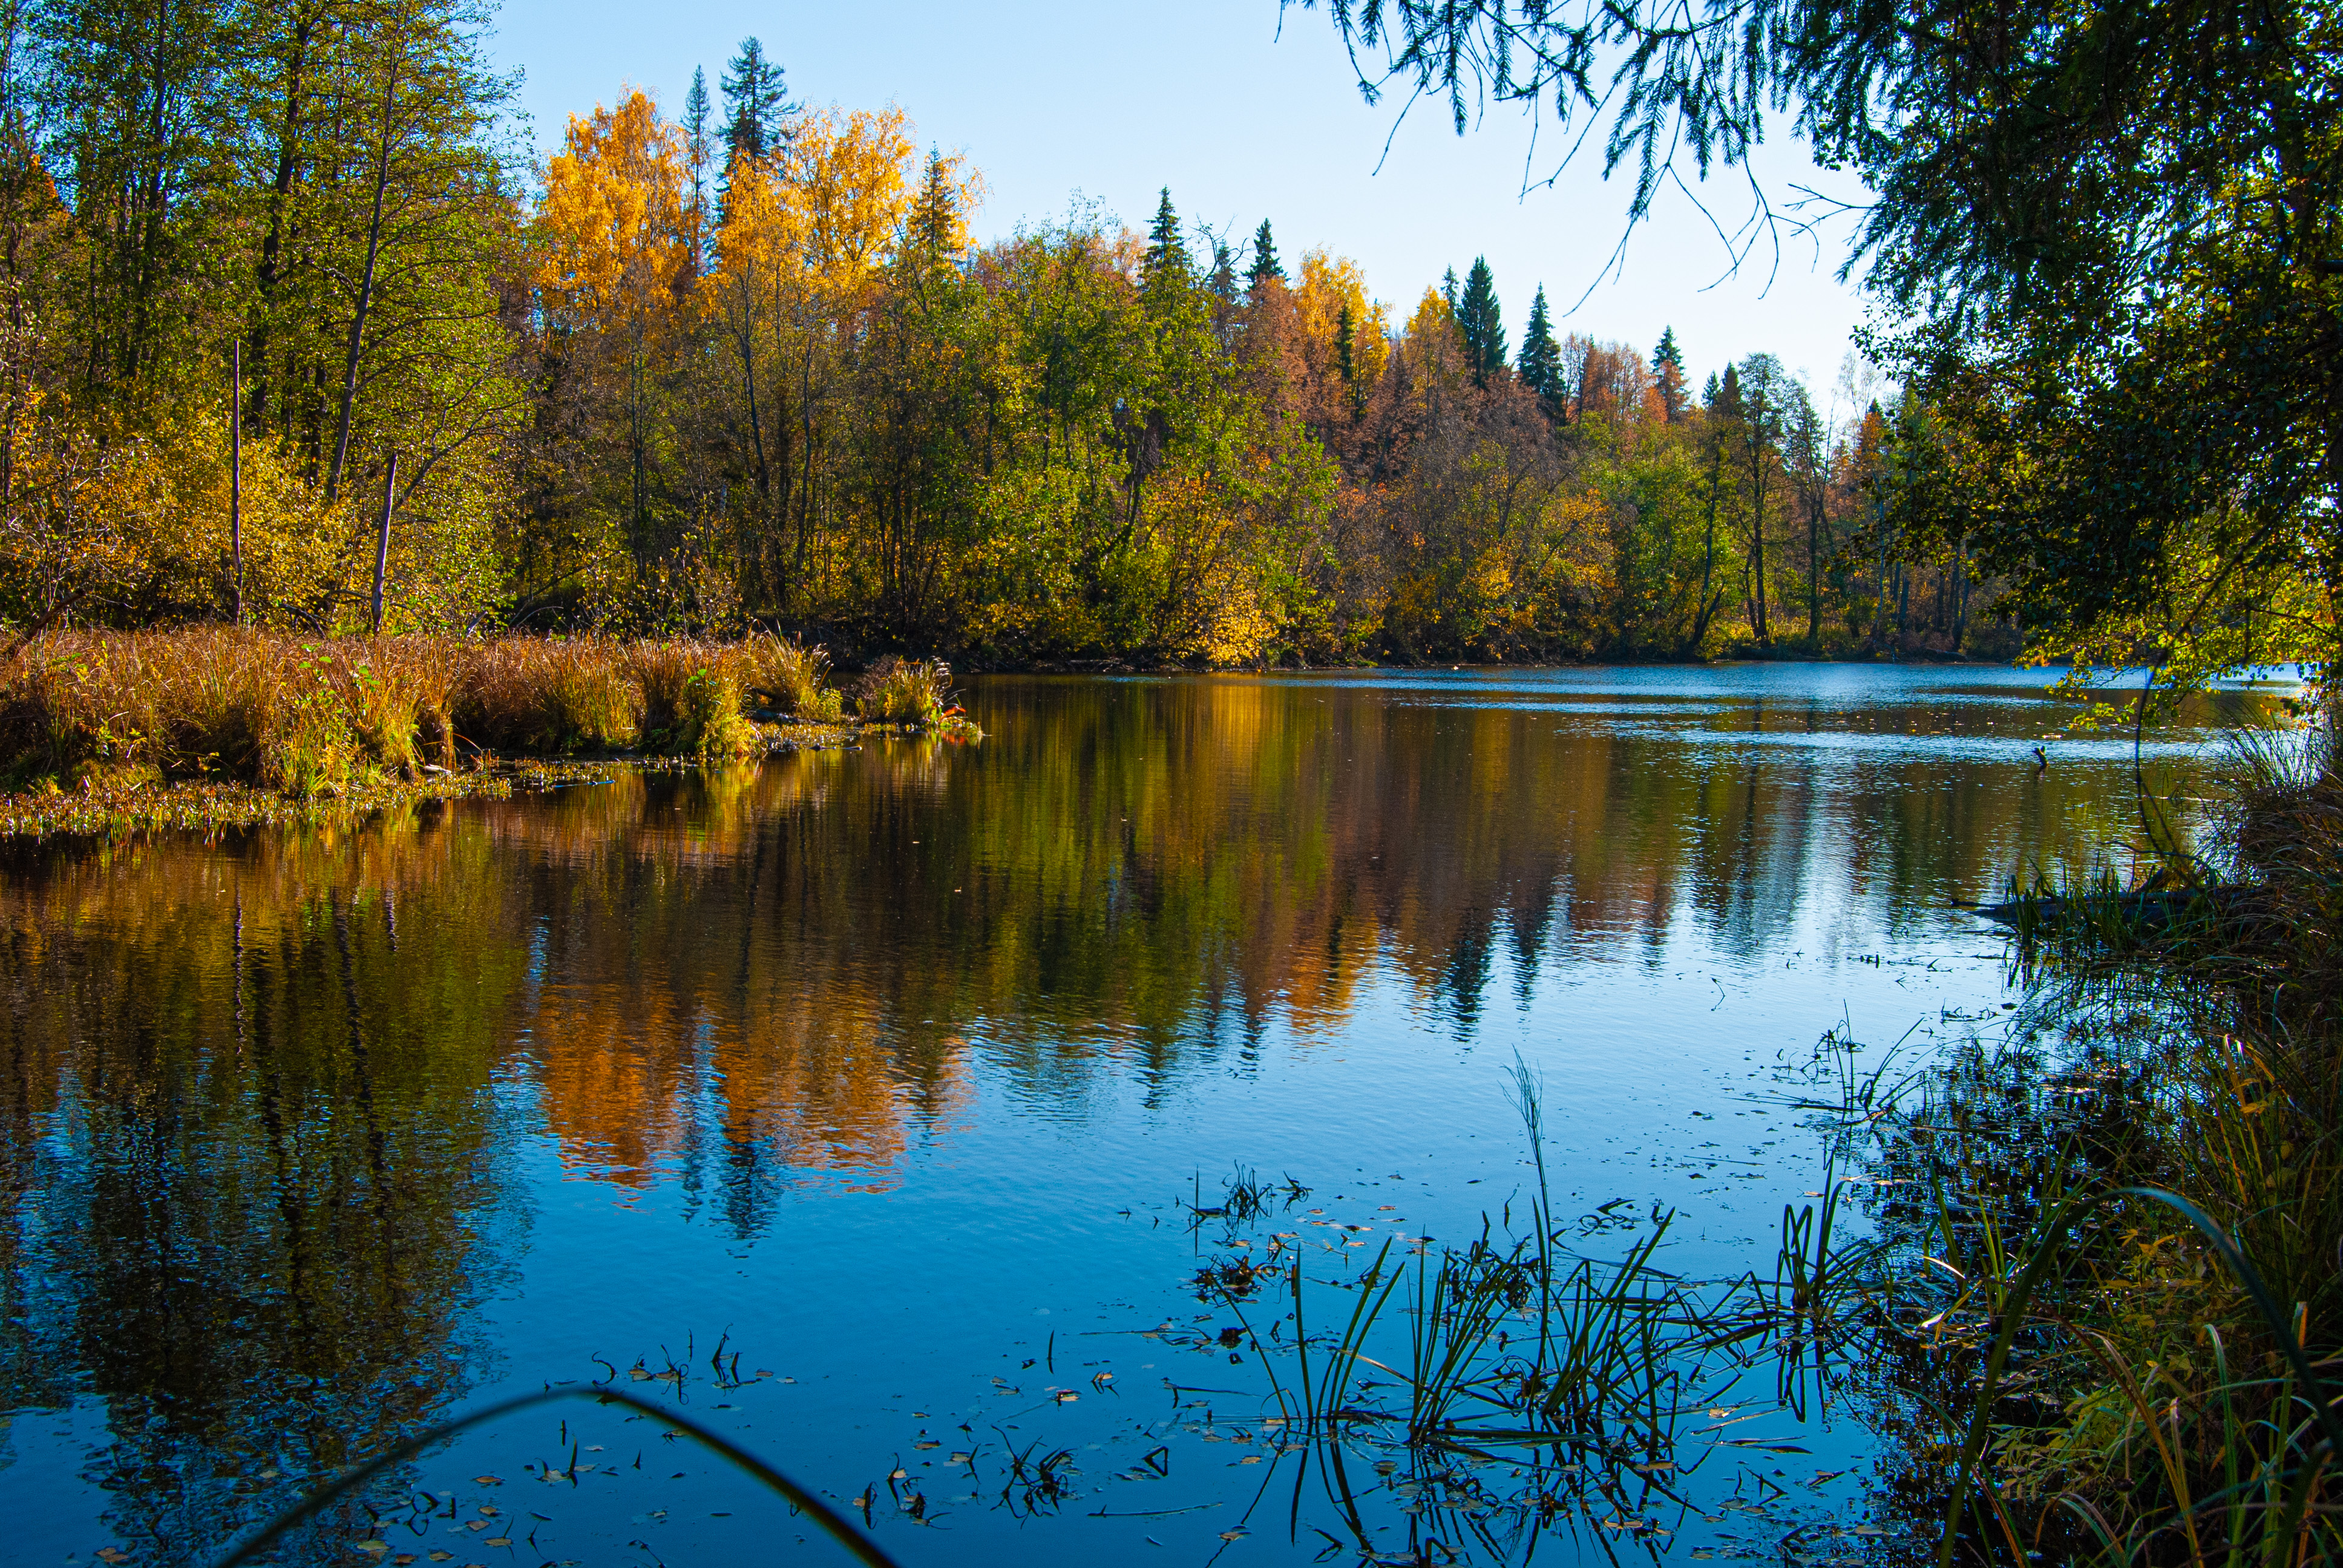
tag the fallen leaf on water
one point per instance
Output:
(112, 1554)
(372, 1548)
(927, 1443)
(441, 1556)
(403, 1558)
(488, 1480)
(497, 1540)
(476, 1524)
(1237, 1534)
(1066, 1396)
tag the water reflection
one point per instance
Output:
(263, 1097)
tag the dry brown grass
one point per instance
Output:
(312, 716)
(905, 691)
(793, 678)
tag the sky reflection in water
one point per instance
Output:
(888, 1067)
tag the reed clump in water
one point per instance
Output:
(793, 680)
(1511, 1385)
(313, 717)
(905, 691)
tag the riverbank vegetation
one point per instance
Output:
(2109, 1327)
(292, 334)
(106, 715)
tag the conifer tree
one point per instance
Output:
(1224, 270)
(1167, 254)
(696, 110)
(937, 226)
(1448, 290)
(1668, 374)
(1479, 318)
(1265, 263)
(757, 105)
(1541, 361)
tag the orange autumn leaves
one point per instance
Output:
(621, 229)
(615, 230)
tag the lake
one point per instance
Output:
(862, 1104)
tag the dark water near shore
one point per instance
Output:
(886, 1071)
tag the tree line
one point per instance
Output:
(283, 306)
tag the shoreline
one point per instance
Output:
(123, 805)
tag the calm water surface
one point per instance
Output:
(885, 1073)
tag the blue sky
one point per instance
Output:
(1206, 96)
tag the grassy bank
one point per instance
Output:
(217, 725)
(2116, 1334)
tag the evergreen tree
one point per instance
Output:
(696, 110)
(1265, 263)
(1345, 327)
(1479, 318)
(756, 106)
(1448, 287)
(1668, 374)
(936, 227)
(1541, 360)
(1167, 254)
(1224, 271)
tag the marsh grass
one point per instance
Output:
(793, 678)
(905, 691)
(317, 717)
(1529, 1386)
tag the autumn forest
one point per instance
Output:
(270, 275)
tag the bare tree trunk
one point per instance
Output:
(382, 538)
(236, 485)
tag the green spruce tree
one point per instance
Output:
(1346, 328)
(1668, 374)
(757, 105)
(1266, 265)
(1167, 254)
(1541, 361)
(1480, 321)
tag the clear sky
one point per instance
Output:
(1206, 96)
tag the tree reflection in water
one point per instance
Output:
(263, 1097)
